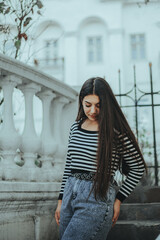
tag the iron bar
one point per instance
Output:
(119, 78)
(141, 105)
(135, 94)
(153, 123)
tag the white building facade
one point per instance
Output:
(81, 39)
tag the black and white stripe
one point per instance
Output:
(82, 153)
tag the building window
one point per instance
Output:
(51, 52)
(137, 46)
(94, 47)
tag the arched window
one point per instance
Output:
(48, 48)
(93, 47)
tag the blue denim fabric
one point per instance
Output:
(82, 219)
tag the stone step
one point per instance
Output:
(140, 211)
(135, 230)
(144, 194)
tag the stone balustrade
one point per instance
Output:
(21, 178)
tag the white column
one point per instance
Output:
(30, 141)
(59, 156)
(9, 138)
(48, 143)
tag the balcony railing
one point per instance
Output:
(50, 145)
(31, 165)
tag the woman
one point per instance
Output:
(100, 141)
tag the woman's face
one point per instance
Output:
(91, 106)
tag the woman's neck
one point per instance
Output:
(90, 125)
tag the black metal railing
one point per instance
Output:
(136, 95)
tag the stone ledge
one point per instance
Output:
(144, 194)
(29, 186)
(135, 230)
(29, 74)
(139, 223)
(26, 207)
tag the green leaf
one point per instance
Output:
(39, 4)
(17, 44)
(2, 4)
(1, 27)
(7, 10)
(39, 12)
(2, 9)
(27, 21)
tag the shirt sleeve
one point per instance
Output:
(134, 160)
(67, 170)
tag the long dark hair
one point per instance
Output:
(111, 118)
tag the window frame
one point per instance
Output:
(138, 47)
(51, 50)
(95, 51)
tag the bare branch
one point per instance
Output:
(21, 11)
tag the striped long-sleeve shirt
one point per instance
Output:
(82, 153)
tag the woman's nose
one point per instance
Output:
(93, 109)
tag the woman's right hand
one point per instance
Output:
(57, 212)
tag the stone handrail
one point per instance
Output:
(58, 102)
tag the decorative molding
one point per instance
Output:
(70, 34)
(116, 31)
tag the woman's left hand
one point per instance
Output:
(117, 205)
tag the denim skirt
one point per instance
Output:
(83, 217)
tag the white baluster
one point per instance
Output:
(48, 143)
(59, 156)
(30, 141)
(9, 138)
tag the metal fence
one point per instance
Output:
(135, 96)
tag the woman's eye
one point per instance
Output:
(87, 105)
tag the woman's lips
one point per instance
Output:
(93, 116)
